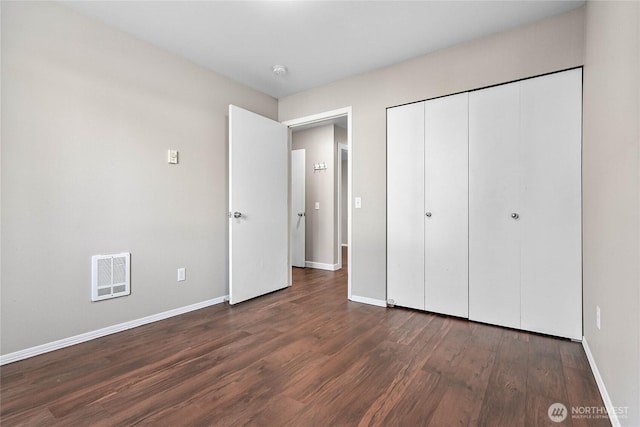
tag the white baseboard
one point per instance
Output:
(370, 301)
(613, 416)
(321, 265)
(87, 336)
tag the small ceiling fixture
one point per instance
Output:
(279, 70)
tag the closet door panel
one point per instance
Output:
(494, 183)
(446, 201)
(405, 205)
(551, 257)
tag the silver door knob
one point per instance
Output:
(515, 215)
(301, 214)
(237, 214)
(428, 214)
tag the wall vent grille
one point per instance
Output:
(110, 276)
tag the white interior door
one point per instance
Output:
(258, 204)
(494, 184)
(405, 205)
(447, 205)
(298, 214)
(551, 204)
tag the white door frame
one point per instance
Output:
(327, 115)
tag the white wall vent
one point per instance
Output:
(110, 276)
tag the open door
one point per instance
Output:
(258, 205)
(298, 215)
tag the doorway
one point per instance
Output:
(324, 170)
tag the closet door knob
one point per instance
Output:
(428, 214)
(515, 215)
(237, 214)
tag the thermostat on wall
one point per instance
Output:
(173, 157)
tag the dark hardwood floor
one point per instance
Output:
(304, 356)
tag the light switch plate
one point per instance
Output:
(173, 157)
(317, 205)
(358, 202)
(182, 274)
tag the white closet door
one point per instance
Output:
(550, 220)
(446, 205)
(494, 183)
(405, 205)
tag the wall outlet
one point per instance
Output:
(598, 316)
(182, 274)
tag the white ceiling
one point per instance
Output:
(318, 41)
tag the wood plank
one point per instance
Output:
(505, 397)
(582, 392)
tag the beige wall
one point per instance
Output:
(549, 45)
(611, 194)
(88, 114)
(318, 144)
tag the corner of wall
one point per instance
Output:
(611, 189)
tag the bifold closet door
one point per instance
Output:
(494, 224)
(446, 205)
(525, 257)
(551, 277)
(405, 205)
